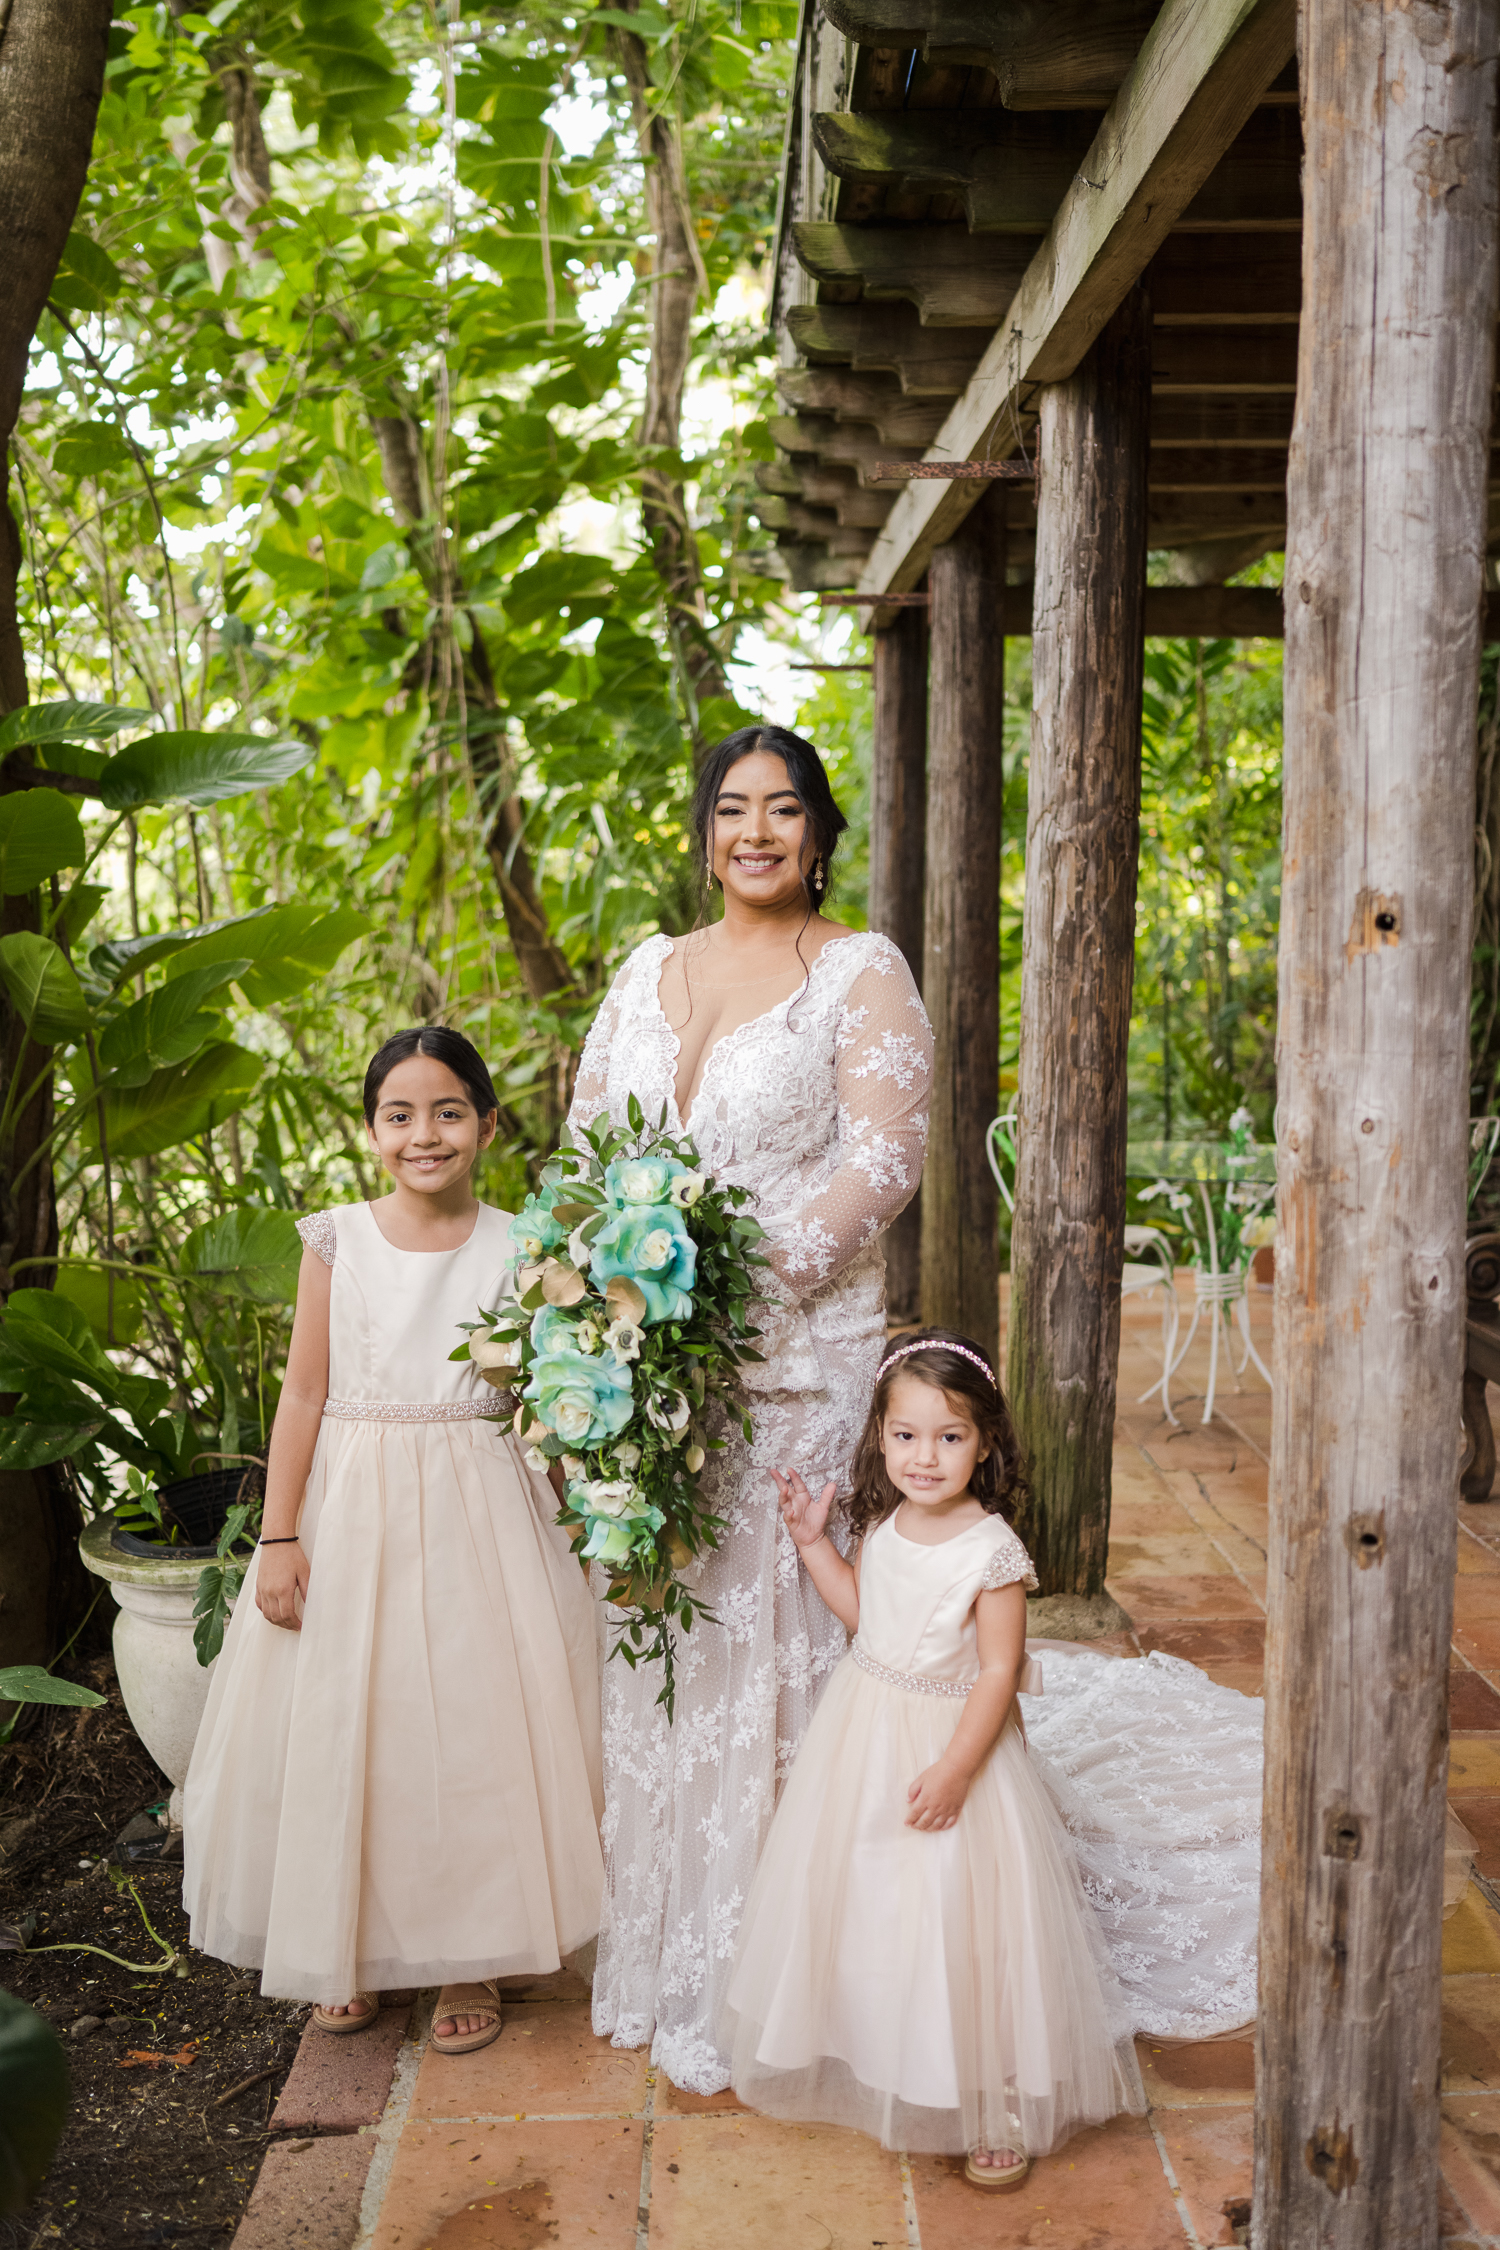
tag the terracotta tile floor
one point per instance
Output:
(551, 2136)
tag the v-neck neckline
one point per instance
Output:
(684, 1120)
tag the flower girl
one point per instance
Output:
(918, 1958)
(397, 1778)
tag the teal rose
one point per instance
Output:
(553, 1331)
(583, 1401)
(649, 1244)
(633, 1180)
(617, 1513)
(534, 1233)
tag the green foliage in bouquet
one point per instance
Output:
(634, 1282)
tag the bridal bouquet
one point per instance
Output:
(634, 1274)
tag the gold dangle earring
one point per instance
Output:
(817, 876)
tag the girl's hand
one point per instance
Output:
(936, 1798)
(805, 1518)
(281, 1585)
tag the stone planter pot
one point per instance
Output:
(163, 1684)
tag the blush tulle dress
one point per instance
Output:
(407, 1792)
(939, 1990)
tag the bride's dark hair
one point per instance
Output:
(809, 782)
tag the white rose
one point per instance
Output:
(611, 1498)
(657, 1249)
(624, 1338)
(578, 1250)
(628, 1456)
(694, 1459)
(669, 1411)
(587, 1338)
(495, 1351)
(639, 1183)
(687, 1189)
(571, 1421)
(537, 1460)
(572, 1467)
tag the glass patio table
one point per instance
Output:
(1217, 1291)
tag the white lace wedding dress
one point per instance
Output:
(819, 1107)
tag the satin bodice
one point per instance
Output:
(393, 1314)
(916, 1604)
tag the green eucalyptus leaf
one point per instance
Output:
(40, 833)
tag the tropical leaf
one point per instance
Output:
(168, 1025)
(26, 1443)
(33, 2101)
(29, 1683)
(40, 833)
(114, 1305)
(287, 948)
(177, 1103)
(197, 769)
(67, 721)
(253, 1251)
(42, 988)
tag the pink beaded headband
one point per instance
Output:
(931, 1344)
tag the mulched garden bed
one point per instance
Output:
(151, 2154)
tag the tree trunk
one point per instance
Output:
(1384, 573)
(676, 278)
(898, 822)
(52, 55)
(1078, 947)
(961, 948)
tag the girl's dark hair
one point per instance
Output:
(999, 1482)
(435, 1039)
(804, 771)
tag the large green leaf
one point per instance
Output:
(67, 721)
(114, 1305)
(29, 1683)
(42, 988)
(33, 2101)
(254, 1251)
(176, 1103)
(40, 832)
(288, 947)
(127, 957)
(197, 769)
(168, 1025)
(27, 1443)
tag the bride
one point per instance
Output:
(798, 1056)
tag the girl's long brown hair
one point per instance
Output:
(999, 1482)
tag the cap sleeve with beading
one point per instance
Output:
(1009, 1563)
(320, 1233)
(884, 1077)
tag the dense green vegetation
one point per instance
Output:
(331, 437)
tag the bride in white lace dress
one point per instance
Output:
(798, 1056)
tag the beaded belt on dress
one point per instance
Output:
(915, 1680)
(387, 1410)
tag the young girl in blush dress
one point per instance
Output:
(918, 1958)
(397, 1778)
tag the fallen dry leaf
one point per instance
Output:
(152, 2058)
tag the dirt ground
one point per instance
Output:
(152, 2153)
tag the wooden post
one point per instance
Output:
(1384, 573)
(1078, 951)
(898, 858)
(961, 950)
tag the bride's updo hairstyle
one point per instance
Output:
(809, 782)
(961, 1371)
(460, 1055)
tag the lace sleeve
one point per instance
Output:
(320, 1234)
(884, 1077)
(591, 1086)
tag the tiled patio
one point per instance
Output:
(550, 2137)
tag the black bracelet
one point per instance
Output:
(295, 1540)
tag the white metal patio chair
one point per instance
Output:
(1148, 1264)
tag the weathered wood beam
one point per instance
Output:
(825, 488)
(1223, 280)
(961, 923)
(837, 443)
(1078, 950)
(778, 514)
(1208, 613)
(1045, 54)
(1190, 90)
(954, 280)
(1384, 572)
(1219, 418)
(1184, 360)
(898, 816)
(877, 399)
(1013, 171)
(1217, 468)
(928, 362)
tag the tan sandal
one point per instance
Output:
(997, 2175)
(341, 2026)
(481, 1999)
